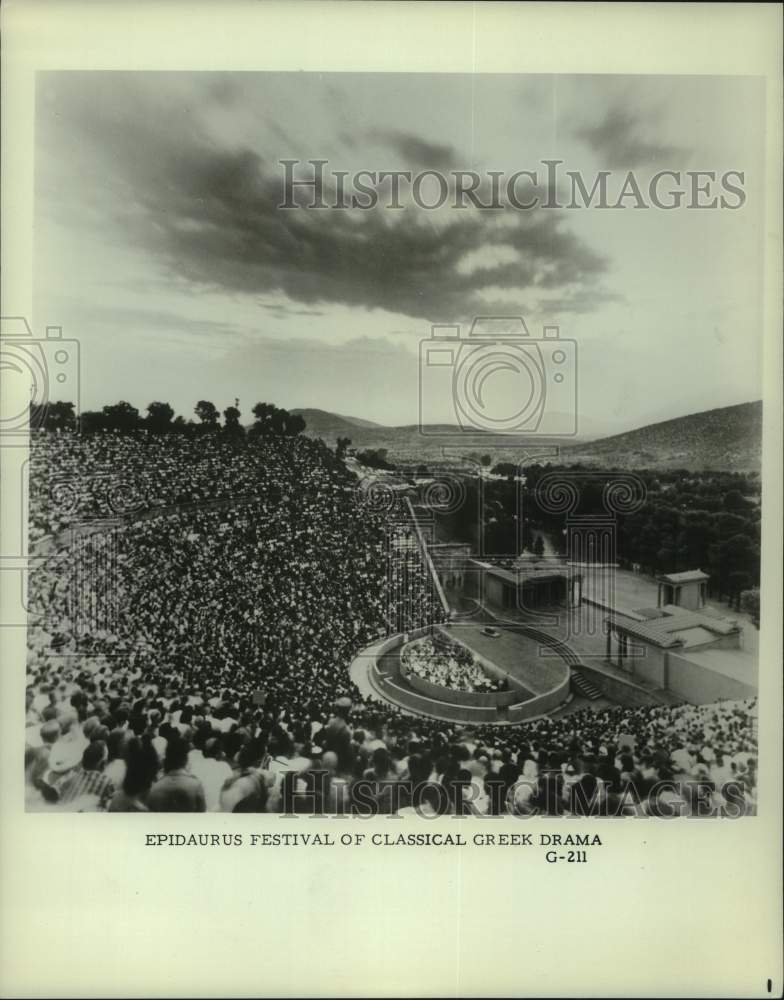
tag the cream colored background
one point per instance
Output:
(684, 908)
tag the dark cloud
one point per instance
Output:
(281, 309)
(210, 215)
(221, 228)
(620, 144)
(416, 151)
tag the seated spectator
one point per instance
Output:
(87, 788)
(37, 794)
(141, 771)
(178, 790)
(245, 790)
(232, 628)
(212, 771)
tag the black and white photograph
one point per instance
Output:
(389, 448)
(349, 498)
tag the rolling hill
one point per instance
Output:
(322, 422)
(726, 439)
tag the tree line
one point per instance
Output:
(124, 418)
(688, 520)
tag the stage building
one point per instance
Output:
(684, 590)
(697, 655)
(527, 583)
(654, 640)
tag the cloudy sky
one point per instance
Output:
(160, 246)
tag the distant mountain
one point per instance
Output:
(727, 439)
(323, 422)
(409, 445)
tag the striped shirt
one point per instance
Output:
(82, 783)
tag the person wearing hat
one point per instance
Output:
(65, 756)
(86, 787)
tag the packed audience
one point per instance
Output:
(447, 664)
(192, 655)
(93, 746)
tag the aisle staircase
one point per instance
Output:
(580, 683)
(582, 686)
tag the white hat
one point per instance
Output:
(67, 752)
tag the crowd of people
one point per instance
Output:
(191, 654)
(447, 664)
(89, 748)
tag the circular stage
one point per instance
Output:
(533, 668)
